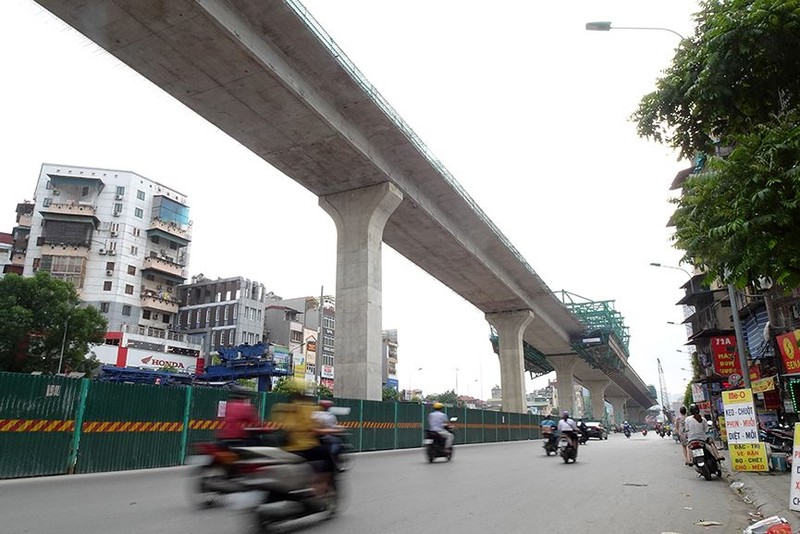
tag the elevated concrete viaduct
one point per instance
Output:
(264, 72)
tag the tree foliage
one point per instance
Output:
(284, 385)
(34, 313)
(448, 397)
(736, 84)
(390, 394)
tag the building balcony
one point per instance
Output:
(170, 230)
(165, 267)
(25, 220)
(79, 250)
(152, 301)
(70, 208)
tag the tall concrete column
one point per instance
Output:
(564, 365)
(597, 390)
(618, 403)
(360, 216)
(510, 326)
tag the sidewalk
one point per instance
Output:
(768, 492)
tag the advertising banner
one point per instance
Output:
(794, 488)
(764, 384)
(326, 371)
(280, 357)
(726, 359)
(698, 394)
(741, 425)
(749, 457)
(790, 352)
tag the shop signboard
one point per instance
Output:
(726, 358)
(764, 384)
(794, 488)
(790, 352)
(741, 426)
(698, 394)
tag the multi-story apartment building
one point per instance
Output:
(225, 311)
(389, 365)
(311, 326)
(120, 238)
(123, 241)
(19, 238)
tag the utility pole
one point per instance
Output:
(318, 357)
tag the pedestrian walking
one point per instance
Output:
(680, 428)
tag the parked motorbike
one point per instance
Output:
(662, 432)
(435, 444)
(550, 444)
(567, 450)
(704, 461)
(779, 436)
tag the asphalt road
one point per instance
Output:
(631, 486)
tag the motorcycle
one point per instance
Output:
(777, 435)
(644, 431)
(704, 461)
(567, 450)
(550, 444)
(662, 432)
(435, 444)
(627, 433)
(281, 490)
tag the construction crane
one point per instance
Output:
(662, 384)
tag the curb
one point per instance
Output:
(754, 495)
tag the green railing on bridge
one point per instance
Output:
(54, 425)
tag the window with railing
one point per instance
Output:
(68, 268)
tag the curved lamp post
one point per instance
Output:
(605, 26)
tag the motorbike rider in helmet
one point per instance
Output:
(303, 431)
(568, 428)
(696, 428)
(437, 422)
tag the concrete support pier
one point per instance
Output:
(510, 326)
(564, 365)
(618, 403)
(597, 390)
(360, 216)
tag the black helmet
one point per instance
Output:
(694, 410)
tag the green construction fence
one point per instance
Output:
(54, 425)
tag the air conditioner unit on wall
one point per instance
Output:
(102, 251)
(109, 272)
(112, 252)
(118, 197)
(56, 192)
(114, 233)
(116, 214)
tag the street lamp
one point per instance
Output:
(605, 26)
(410, 376)
(64, 338)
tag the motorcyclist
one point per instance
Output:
(303, 431)
(549, 431)
(626, 427)
(696, 428)
(584, 430)
(240, 415)
(437, 422)
(568, 428)
(327, 419)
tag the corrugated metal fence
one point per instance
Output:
(53, 425)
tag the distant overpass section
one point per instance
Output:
(267, 74)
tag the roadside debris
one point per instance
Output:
(704, 523)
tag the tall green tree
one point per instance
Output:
(734, 85)
(39, 315)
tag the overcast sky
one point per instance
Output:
(526, 109)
